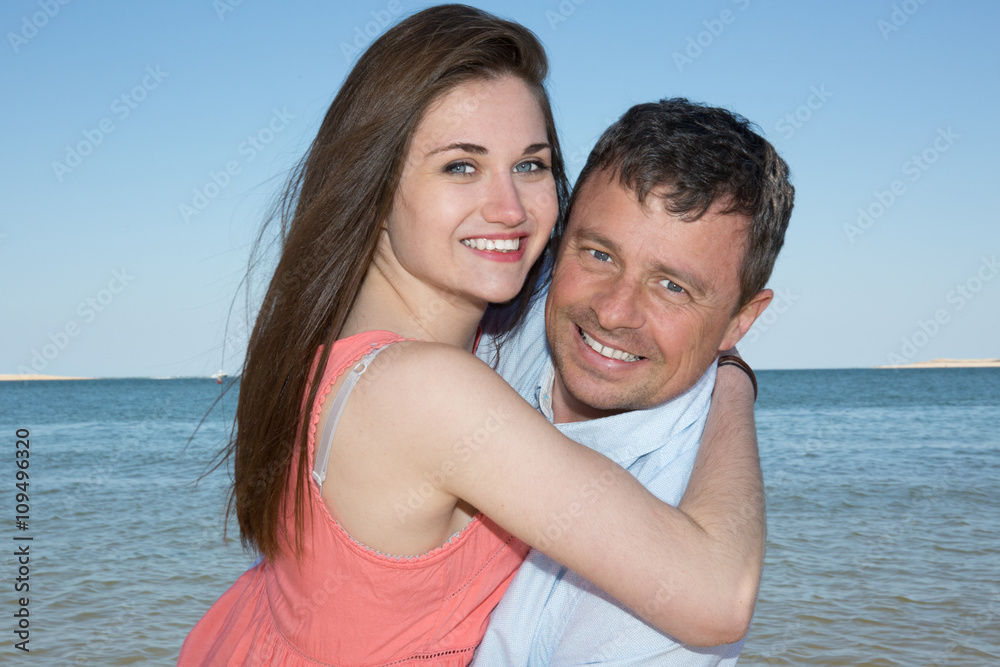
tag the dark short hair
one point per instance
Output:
(691, 156)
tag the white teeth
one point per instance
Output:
(608, 352)
(501, 245)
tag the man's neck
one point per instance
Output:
(566, 408)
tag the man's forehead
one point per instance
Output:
(660, 197)
(601, 192)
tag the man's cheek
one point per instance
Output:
(577, 288)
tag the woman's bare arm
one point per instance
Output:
(451, 417)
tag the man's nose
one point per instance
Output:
(503, 202)
(618, 304)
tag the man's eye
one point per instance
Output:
(672, 286)
(460, 168)
(600, 256)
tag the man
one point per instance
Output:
(673, 229)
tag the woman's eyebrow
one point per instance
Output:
(460, 146)
(537, 148)
(482, 150)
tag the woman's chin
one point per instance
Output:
(495, 296)
(485, 291)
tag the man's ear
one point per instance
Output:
(744, 319)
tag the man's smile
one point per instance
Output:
(606, 351)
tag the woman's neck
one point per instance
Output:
(413, 310)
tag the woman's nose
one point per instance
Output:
(503, 203)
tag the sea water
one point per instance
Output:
(883, 491)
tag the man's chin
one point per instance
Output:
(606, 397)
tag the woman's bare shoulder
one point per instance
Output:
(425, 384)
(429, 364)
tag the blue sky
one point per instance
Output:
(143, 142)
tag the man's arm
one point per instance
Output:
(724, 498)
(560, 618)
(725, 495)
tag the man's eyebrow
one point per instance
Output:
(476, 149)
(599, 239)
(691, 281)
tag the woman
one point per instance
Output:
(365, 469)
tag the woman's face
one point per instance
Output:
(476, 201)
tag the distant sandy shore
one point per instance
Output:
(951, 363)
(9, 378)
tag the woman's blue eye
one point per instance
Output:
(600, 256)
(527, 167)
(460, 168)
(672, 286)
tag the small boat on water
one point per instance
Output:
(220, 376)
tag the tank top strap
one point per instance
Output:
(322, 453)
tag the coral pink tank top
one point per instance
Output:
(344, 604)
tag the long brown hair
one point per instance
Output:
(330, 213)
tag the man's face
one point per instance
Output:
(641, 302)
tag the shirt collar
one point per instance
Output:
(544, 391)
(626, 437)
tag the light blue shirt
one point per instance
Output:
(550, 615)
